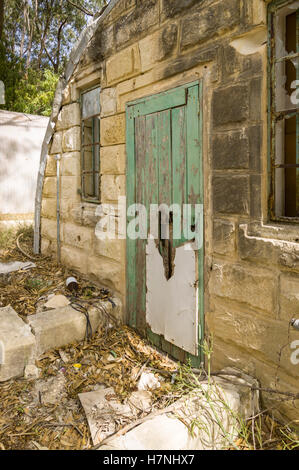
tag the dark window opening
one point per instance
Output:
(90, 145)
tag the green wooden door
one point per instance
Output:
(164, 171)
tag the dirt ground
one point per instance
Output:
(47, 413)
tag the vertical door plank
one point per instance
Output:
(141, 197)
(130, 244)
(179, 161)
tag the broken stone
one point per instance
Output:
(141, 400)
(148, 381)
(213, 411)
(6, 268)
(57, 301)
(103, 411)
(17, 344)
(31, 372)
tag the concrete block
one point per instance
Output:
(17, 344)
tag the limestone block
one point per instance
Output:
(107, 271)
(111, 248)
(50, 166)
(267, 250)
(254, 286)
(210, 22)
(74, 258)
(125, 64)
(224, 236)
(45, 245)
(17, 344)
(255, 333)
(49, 188)
(289, 297)
(56, 146)
(230, 150)
(216, 408)
(230, 105)
(49, 208)
(175, 7)
(75, 235)
(66, 95)
(59, 327)
(112, 187)
(259, 12)
(108, 102)
(141, 19)
(70, 164)
(69, 187)
(113, 130)
(158, 47)
(121, 7)
(231, 194)
(49, 228)
(113, 160)
(69, 116)
(71, 139)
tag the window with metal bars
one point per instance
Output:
(283, 23)
(90, 145)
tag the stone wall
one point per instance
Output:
(251, 266)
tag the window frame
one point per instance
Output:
(273, 115)
(97, 198)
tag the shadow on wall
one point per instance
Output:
(20, 154)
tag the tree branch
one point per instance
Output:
(79, 7)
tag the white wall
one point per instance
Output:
(21, 137)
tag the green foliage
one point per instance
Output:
(35, 94)
(36, 41)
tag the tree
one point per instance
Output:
(37, 36)
(2, 5)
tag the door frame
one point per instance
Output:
(171, 98)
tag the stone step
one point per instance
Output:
(22, 343)
(58, 327)
(17, 344)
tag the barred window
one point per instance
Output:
(283, 109)
(90, 145)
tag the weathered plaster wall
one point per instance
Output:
(251, 268)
